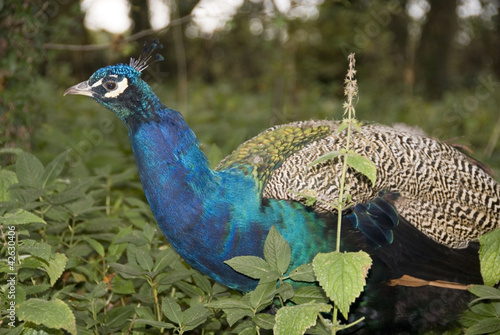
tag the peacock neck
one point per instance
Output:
(174, 172)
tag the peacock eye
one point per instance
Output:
(110, 85)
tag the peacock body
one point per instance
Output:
(421, 218)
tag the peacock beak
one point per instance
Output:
(82, 88)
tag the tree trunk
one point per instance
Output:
(435, 46)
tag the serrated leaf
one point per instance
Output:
(264, 320)
(99, 290)
(486, 326)
(251, 266)
(326, 157)
(7, 178)
(303, 273)
(164, 258)
(54, 168)
(117, 316)
(29, 170)
(342, 276)
(286, 291)
(229, 303)
(144, 259)
(122, 286)
(55, 267)
(19, 217)
(307, 294)
(53, 314)
(38, 249)
(263, 294)
(127, 271)
(195, 315)
(363, 165)
(234, 315)
(155, 324)
(277, 252)
(489, 255)
(172, 310)
(95, 245)
(342, 126)
(297, 319)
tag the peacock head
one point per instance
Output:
(120, 88)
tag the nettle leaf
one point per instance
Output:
(277, 252)
(29, 170)
(53, 314)
(95, 245)
(264, 320)
(489, 255)
(54, 168)
(485, 326)
(38, 249)
(172, 310)
(297, 319)
(20, 216)
(251, 266)
(342, 276)
(144, 259)
(195, 315)
(55, 267)
(303, 273)
(307, 294)
(363, 165)
(263, 294)
(7, 178)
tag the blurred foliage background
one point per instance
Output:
(431, 64)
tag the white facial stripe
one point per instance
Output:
(97, 83)
(113, 75)
(122, 86)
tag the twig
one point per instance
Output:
(96, 47)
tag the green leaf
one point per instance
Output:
(264, 320)
(286, 291)
(55, 267)
(195, 315)
(172, 310)
(229, 303)
(38, 249)
(263, 294)
(115, 250)
(95, 245)
(144, 259)
(363, 165)
(486, 326)
(307, 294)
(303, 273)
(54, 168)
(127, 271)
(155, 324)
(21, 216)
(251, 266)
(7, 178)
(297, 319)
(122, 286)
(326, 157)
(277, 252)
(489, 255)
(164, 258)
(117, 317)
(483, 291)
(342, 276)
(29, 170)
(53, 314)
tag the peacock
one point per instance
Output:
(422, 218)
